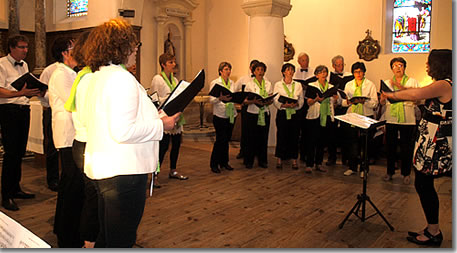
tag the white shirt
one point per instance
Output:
(159, 85)
(303, 75)
(218, 105)
(253, 87)
(79, 119)
(314, 109)
(368, 90)
(59, 88)
(244, 80)
(123, 126)
(408, 106)
(8, 74)
(297, 94)
(44, 78)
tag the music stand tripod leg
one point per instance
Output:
(356, 206)
(380, 214)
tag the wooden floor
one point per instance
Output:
(258, 208)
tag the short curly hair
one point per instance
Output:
(110, 42)
(440, 64)
(79, 47)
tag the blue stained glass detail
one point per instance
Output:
(77, 7)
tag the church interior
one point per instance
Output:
(260, 208)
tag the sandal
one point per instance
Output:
(176, 175)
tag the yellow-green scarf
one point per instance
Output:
(264, 94)
(397, 110)
(70, 104)
(358, 108)
(229, 107)
(290, 93)
(172, 85)
(325, 105)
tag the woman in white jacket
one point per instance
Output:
(123, 128)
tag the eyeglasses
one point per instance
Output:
(398, 66)
(359, 72)
(139, 44)
(23, 47)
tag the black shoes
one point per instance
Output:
(263, 165)
(239, 156)
(330, 162)
(433, 240)
(53, 187)
(215, 169)
(227, 167)
(23, 195)
(9, 204)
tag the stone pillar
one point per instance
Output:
(188, 48)
(40, 37)
(266, 41)
(160, 26)
(13, 17)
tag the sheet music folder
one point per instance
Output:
(183, 94)
(237, 97)
(386, 88)
(31, 80)
(360, 121)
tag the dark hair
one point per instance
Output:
(110, 42)
(440, 64)
(358, 65)
(222, 65)
(285, 67)
(13, 40)
(78, 48)
(320, 68)
(397, 59)
(60, 45)
(259, 64)
(163, 58)
(251, 64)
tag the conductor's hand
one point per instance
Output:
(28, 92)
(169, 122)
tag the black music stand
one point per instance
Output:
(363, 197)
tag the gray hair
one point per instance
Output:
(338, 57)
(302, 54)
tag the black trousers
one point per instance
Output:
(316, 142)
(121, 201)
(220, 153)
(89, 225)
(303, 128)
(52, 157)
(406, 147)
(174, 153)
(287, 132)
(356, 143)
(425, 188)
(244, 128)
(330, 133)
(14, 124)
(70, 200)
(257, 139)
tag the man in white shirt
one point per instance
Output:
(14, 120)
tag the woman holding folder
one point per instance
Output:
(319, 116)
(288, 101)
(224, 114)
(164, 83)
(258, 117)
(366, 90)
(401, 119)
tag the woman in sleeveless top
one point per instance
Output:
(433, 148)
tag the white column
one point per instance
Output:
(160, 26)
(266, 42)
(188, 48)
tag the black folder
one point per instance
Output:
(180, 97)
(345, 96)
(312, 92)
(386, 88)
(252, 95)
(340, 81)
(284, 100)
(31, 81)
(356, 97)
(237, 97)
(342, 94)
(305, 83)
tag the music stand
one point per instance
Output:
(365, 125)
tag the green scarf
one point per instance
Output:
(70, 104)
(264, 94)
(325, 105)
(229, 107)
(358, 108)
(289, 111)
(172, 86)
(397, 110)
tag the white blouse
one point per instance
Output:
(297, 94)
(253, 87)
(218, 105)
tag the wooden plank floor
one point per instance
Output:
(257, 208)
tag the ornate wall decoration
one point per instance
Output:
(368, 49)
(289, 50)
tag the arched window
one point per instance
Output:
(76, 8)
(411, 22)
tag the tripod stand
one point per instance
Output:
(363, 197)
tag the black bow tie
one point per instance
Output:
(18, 63)
(305, 70)
(340, 74)
(252, 75)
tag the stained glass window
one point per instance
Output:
(411, 26)
(76, 8)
